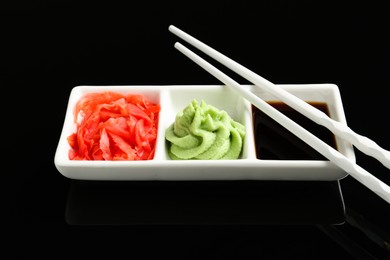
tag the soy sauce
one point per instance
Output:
(274, 142)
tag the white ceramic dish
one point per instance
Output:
(172, 99)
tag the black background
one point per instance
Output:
(47, 48)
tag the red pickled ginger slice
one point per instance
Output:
(114, 126)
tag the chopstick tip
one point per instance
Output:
(179, 46)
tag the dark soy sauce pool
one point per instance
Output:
(274, 142)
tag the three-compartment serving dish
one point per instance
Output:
(172, 99)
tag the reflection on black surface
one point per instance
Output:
(204, 202)
(359, 237)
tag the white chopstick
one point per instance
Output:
(364, 144)
(374, 184)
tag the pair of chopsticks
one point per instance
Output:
(364, 144)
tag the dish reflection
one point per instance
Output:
(204, 202)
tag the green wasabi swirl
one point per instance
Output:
(203, 132)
